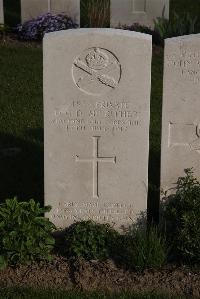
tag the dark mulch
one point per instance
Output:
(105, 276)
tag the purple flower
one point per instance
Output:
(48, 22)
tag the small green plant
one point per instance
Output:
(176, 25)
(25, 233)
(144, 249)
(182, 214)
(90, 240)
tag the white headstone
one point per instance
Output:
(96, 120)
(181, 106)
(144, 12)
(33, 8)
(1, 12)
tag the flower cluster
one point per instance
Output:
(36, 28)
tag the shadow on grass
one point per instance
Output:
(21, 166)
(154, 190)
(155, 135)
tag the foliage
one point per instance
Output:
(144, 249)
(25, 234)
(177, 25)
(35, 29)
(156, 39)
(183, 6)
(183, 219)
(95, 13)
(90, 240)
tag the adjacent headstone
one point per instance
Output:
(33, 8)
(1, 12)
(144, 12)
(181, 106)
(96, 121)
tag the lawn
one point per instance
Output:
(21, 122)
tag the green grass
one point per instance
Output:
(21, 122)
(45, 294)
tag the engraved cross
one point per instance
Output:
(95, 160)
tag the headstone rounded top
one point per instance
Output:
(103, 31)
(182, 37)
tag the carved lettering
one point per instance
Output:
(105, 212)
(106, 116)
(188, 64)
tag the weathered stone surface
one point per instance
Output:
(33, 8)
(1, 12)
(96, 119)
(137, 11)
(181, 106)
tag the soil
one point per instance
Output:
(104, 276)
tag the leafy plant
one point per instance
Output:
(176, 25)
(182, 214)
(35, 29)
(25, 234)
(90, 240)
(144, 249)
(95, 13)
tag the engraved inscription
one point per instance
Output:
(101, 116)
(187, 62)
(96, 71)
(95, 160)
(96, 211)
(181, 134)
